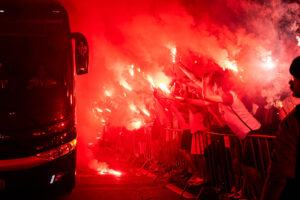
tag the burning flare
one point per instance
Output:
(132, 107)
(145, 111)
(125, 85)
(150, 79)
(107, 93)
(269, 63)
(102, 168)
(99, 109)
(173, 53)
(161, 81)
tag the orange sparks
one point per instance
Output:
(298, 39)
(108, 110)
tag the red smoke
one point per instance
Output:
(259, 38)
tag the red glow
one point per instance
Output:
(137, 40)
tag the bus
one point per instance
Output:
(37, 102)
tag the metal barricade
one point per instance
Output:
(228, 161)
(233, 163)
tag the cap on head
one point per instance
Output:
(295, 67)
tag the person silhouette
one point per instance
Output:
(283, 179)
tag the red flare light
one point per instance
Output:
(269, 63)
(107, 93)
(102, 168)
(108, 171)
(132, 107)
(99, 110)
(161, 81)
(164, 87)
(131, 70)
(173, 53)
(134, 125)
(150, 79)
(231, 65)
(146, 112)
(280, 104)
(125, 85)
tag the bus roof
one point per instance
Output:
(31, 9)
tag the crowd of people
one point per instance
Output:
(203, 107)
(210, 103)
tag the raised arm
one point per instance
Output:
(198, 102)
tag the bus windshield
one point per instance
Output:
(35, 74)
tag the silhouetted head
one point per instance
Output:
(295, 72)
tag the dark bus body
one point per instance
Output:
(37, 104)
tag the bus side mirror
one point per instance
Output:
(81, 53)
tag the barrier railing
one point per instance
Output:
(235, 164)
(229, 162)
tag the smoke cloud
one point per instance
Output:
(257, 38)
